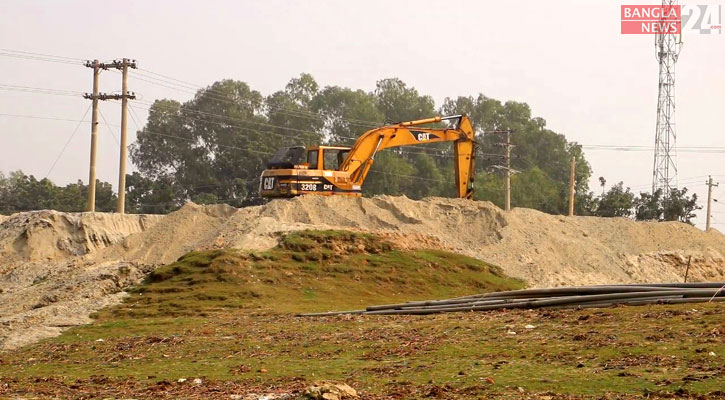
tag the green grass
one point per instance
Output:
(227, 317)
(308, 271)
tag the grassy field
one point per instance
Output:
(228, 318)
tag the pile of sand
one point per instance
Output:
(543, 249)
(49, 277)
(57, 268)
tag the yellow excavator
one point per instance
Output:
(337, 170)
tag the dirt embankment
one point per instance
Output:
(545, 250)
(49, 279)
(57, 268)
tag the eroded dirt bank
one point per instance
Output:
(57, 268)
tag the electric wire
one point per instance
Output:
(697, 149)
(39, 117)
(67, 142)
(74, 93)
(109, 126)
(175, 83)
(41, 55)
(220, 96)
(30, 89)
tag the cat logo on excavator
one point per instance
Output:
(338, 170)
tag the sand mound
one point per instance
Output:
(543, 249)
(50, 235)
(192, 227)
(57, 268)
(49, 278)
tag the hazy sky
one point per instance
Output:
(566, 59)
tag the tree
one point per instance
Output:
(535, 147)
(21, 192)
(390, 174)
(648, 207)
(678, 206)
(289, 113)
(429, 179)
(347, 113)
(490, 187)
(152, 196)
(216, 145)
(211, 143)
(585, 203)
(398, 102)
(617, 202)
(533, 188)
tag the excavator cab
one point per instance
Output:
(338, 170)
(286, 157)
(298, 170)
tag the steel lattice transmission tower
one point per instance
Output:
(664, 173)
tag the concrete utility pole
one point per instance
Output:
(709, 201)
(572, 176)
(95, 96)
(508, 170)
(507, 167)
(125, 95)
(94, 137)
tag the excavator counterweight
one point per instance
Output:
(338, 170)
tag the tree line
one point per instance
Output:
(619, 201)
(214, 147)
(21, 192)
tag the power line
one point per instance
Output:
(168, 77)
(39, 117)
(263, 124)
(718, 150)
(263, 132)
(222, 97)
(693, 179)
(408, 176)
(107, 125)
(690, 149)
(133, 118)
(285, 111)
(238, 126)
(202, 113)
(176, 84)
(269, 153)
(31, 89)
(38, 57)
(283, 135)
(231, 147)
(195, 141)
(41, 54)
(171, 85)
(67, 142)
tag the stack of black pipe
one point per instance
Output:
(557, 298)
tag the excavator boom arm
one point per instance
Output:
(362, 154)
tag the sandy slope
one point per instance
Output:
(57, 268)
